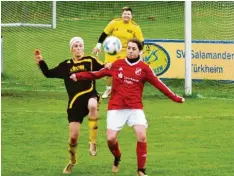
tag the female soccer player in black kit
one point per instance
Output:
(83, 97)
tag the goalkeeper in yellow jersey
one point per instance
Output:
(125, 29)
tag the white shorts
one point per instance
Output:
(116, 119)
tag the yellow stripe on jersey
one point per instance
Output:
(80, 61)
(79, 94)
(85, 91)
(88, 60)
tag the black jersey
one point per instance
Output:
(68, 67)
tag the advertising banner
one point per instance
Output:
(211, 60)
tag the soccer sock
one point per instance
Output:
(114, 148)
(141, 154)
(93, 126)
(72, 151)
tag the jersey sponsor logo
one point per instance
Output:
(130, 31)
(130, 80)
(77, 68)
(138, 71)
(156, 57)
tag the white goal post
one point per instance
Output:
(188, 47)
(52, 25)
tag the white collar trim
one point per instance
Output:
(131, 64)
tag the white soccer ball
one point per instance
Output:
(112, 45)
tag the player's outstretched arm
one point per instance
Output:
(157, 83)
(56, 72)
(91, 75)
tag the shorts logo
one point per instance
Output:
(157, 58)
(138, 71)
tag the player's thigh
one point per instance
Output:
(116, 119)
(111, 135)
(92, 104)
(94, 97)
(94, 100)
(137, 117)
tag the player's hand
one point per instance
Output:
(73, 77)
(37, 55)
(108, 65)
(97, 50)
(179, 99)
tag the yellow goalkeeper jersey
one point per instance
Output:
(124, 31)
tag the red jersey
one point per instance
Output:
(128, 81)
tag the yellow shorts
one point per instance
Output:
(112, 58)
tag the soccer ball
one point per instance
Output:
(112, 45)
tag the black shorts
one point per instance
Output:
(80, 107)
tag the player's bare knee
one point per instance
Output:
(73, 139)
(111, 137)
(93, 107)
(141, 137)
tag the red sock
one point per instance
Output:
(141, 154)
(114, 148)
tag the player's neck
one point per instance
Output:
(76, 58)
(133, 60)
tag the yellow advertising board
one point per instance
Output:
(211, 60)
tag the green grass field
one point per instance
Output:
(190, 139)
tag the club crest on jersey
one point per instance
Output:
(120, 69)
(138, 71)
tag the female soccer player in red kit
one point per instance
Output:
(125, 104)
